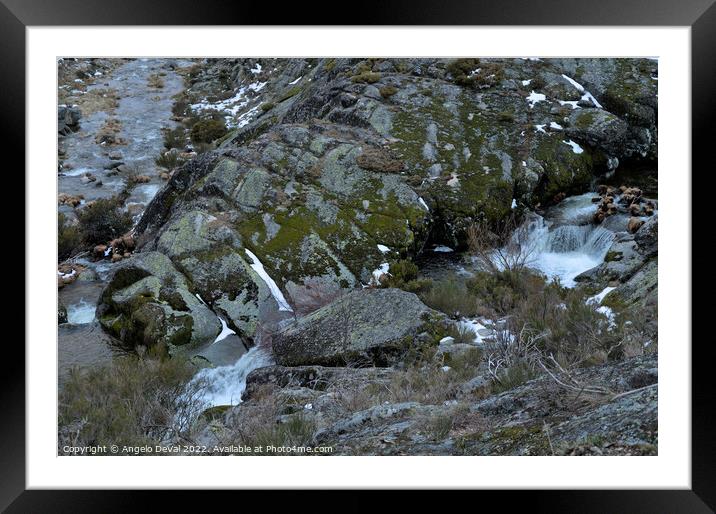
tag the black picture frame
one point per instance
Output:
(699, 15)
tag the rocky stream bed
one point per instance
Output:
(269, 255)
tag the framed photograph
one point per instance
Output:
(419, 251)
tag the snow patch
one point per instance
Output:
(275, 291)
(575, 147)
(597, 299)
(535, 98)
(225, 331)
(381, 270)
(383, 249)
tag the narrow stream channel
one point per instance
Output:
(143, 112)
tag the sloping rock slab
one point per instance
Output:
(371, 326)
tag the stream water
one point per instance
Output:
(564, 242)
(142, 112)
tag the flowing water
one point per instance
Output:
(223, 385)
(564, 242)
(143, 112)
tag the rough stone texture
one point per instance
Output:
(148, 302)
(68, 119)
(537, 418)
(373, 325)
(335, 167)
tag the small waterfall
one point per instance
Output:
(564, 243)
(224, 385)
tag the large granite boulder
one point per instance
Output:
(148, 302)
(376, 326)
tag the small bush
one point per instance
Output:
(513, 376)
(388, 91)
(174, 138)
(155, 81)
(206, 131)
(475, 73)
(330, 64)
(367, 77)
(462, 334)
(181, 105)
(452, 297)
(502, 291)
(506, 116)
(69, 238)
(537, 83)
(131, 401)
(289, 94)
(103, 221)
(169, 160)
(267, 106)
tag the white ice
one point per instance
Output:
(383, 249)
(383, 269)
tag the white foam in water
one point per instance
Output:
(224, 384)
(80, 313)
(564, 251)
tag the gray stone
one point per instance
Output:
(373, 325)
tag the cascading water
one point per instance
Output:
(223, 385)
(564, 243)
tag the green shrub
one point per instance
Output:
(465, 72)
(131, 401)
(503, 290)
(267, 106)
(103, 221)
(174, 138)
(330, 64)
(169, 160)
(368, 77)
(462, 334)
(537, 83)
(388, 91)
(404, 270)
(452, 297)
(155, 81)
(506, 116)
(298, 430)
(512, 377)
(180, 108)
(289, 94)
(206, 131)
(404, 275)
(69, 238)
